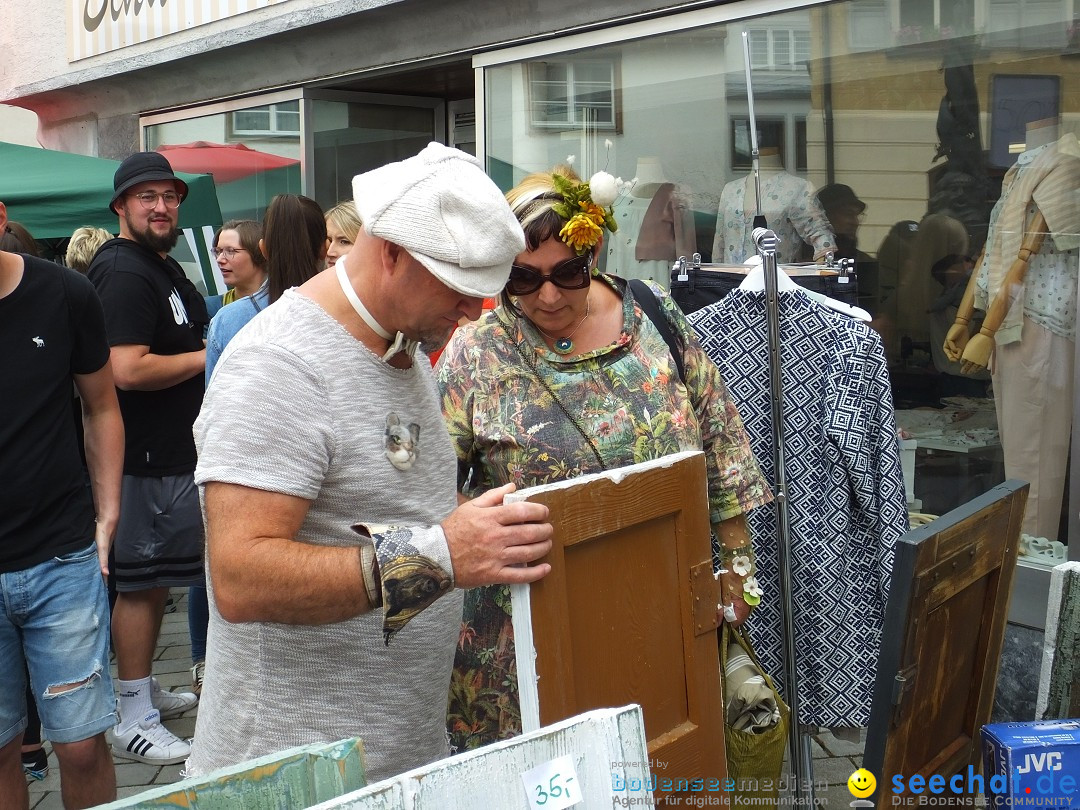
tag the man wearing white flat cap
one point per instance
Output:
(336, 548)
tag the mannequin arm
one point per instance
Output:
(957, 337)
(977, 353)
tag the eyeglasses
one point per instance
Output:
(228, 253)
(149, 199)
(572, 274)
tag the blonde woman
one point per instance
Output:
(82, 246)
(342, 225)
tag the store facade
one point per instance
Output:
(914, 112)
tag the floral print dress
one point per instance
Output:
(628, 398)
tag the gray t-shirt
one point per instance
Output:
(298, 406)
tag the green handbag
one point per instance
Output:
(755, 723)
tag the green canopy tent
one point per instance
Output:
(53, 193)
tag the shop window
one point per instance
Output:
(778, 48)
(566, 94)
(269, 120)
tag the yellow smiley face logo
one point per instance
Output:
(861, 783)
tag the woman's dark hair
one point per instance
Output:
(250, 232)
(16, 239)
(294, 235)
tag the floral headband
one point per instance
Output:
(587, 207)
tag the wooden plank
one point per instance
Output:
(296, 778)
(944, 629)
(622, 589)
(606, 748)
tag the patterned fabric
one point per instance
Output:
(627, 396)
(1043, 179)
(410, 580)
(846, 497)
(789, 206)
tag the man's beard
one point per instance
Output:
(159, 243)
(431, 340)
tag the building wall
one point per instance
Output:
(91, 106)
(18, 126)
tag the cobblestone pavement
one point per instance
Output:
(834, 759)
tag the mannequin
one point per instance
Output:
(1026, 281)
(656, 226)
(789, 206)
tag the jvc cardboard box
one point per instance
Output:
(1034, 764)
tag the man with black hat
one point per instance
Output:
(845, 211)
(155, 319)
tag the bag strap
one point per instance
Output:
(644, 295)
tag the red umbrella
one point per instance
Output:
(227, 162)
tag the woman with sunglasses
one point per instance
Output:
(566, 377)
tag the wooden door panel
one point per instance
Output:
(620, 632)
(626, 615)
(944, 629)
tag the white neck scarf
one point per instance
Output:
(398, 342)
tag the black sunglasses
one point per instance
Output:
(572, 274)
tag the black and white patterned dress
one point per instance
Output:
(845, 486)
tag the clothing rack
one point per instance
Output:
(799, 748)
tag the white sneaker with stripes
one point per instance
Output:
(171, 704)
(149, 741)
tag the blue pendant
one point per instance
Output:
(564, 345)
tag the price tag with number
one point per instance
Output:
(553, 785)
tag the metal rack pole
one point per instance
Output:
(800, 757)
(755, 155)
(799, 749)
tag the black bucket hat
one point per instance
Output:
(836, 194)
(140, 168)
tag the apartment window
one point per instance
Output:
(869, 25)
(269, 120)
(778, 48)
(771, 132)
(1027, 23)
(565, 94)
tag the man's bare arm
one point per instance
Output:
(103, 430)
(136, 369)
(261, 574)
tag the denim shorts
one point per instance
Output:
(54, 620)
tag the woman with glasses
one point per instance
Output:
(568, 376)
(241, 261)
(293, 242)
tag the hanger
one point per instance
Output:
(755, 278)
(755, 282)
(839, 306)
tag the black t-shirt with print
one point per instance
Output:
(51, 327)
(149, 301)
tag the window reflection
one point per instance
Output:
(912, 123)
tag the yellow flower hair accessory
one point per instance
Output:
(587, 208)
